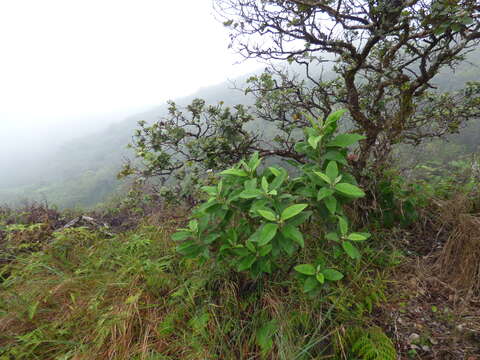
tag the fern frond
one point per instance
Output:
(368, 344)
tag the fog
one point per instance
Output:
(71, 68)
(25, 146)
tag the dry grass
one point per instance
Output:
(86, 297)
(458, 262)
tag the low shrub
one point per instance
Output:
(253, 218)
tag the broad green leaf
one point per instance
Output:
(324, 192)
(467, 20)
(186, 245)
(190, 250)
(367, 235)
(181, 235)
(456, 27)
(267, 233)
(301, 147)
(193, 225)
(314, 140)
(206, 207)
(439, 30)
(199, 323)
(310, 284)
(203, 223)
(254, 237)
(331, 204)
(350, 190)
(250, 194)
(264, 184)
(287, 245)
(267, 214)
(294, 234)
(210, 238)
(246, 263)
(358, 236)
(210, 190)
(234, 195)
(332, 171)
(250, 246)
(300, 218)
(305, 269)
(279, 179)
(332, 237)
(351, 250)
(232, 236)
(264, 336)
(320, 278)
(310, 131)
(254, 161)
(218, 211)
(336, 156)
(345, 140)
(313, 121)
(265, 265)
(342, 225)
(335, 116)
(235, 172)
(224, 248)
(259, 205)
(265, 250)
(250, 184)
(323, 176)
(349, 178)
(240, 250)
(307, 191)
(293, 163)
(274, 171)
(332, 274)
(293, 210)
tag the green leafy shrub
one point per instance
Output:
(253, 217)
(401, 198)
(398, 202)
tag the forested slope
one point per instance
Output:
(82, 172)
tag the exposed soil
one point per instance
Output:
(428, 319)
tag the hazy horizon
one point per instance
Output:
(69, 69)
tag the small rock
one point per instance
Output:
(425, 348)
(413, 338)
(433, 341)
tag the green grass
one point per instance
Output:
(87, 296)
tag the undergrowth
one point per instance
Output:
(83, 295)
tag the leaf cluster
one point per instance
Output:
(253, 218)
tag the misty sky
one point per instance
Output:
(69, 61)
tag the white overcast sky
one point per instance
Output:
(64, 60)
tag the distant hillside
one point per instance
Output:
(83, 171)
